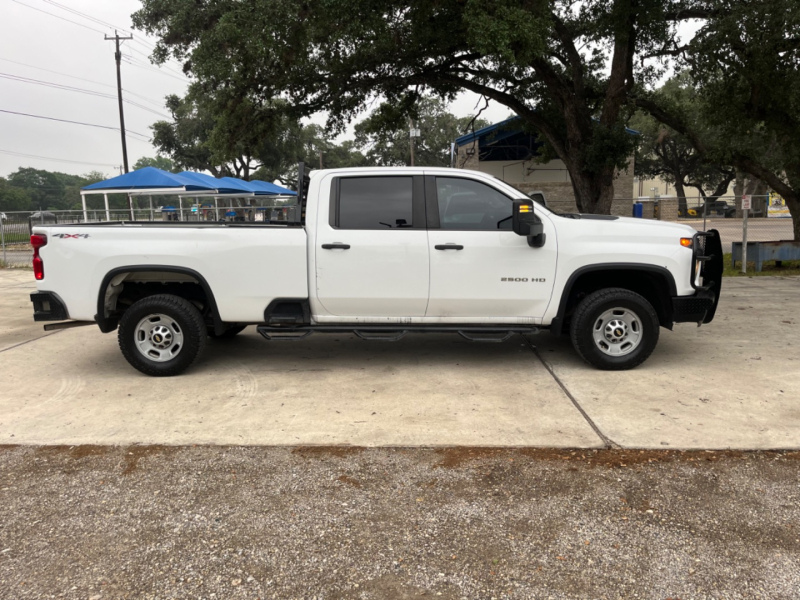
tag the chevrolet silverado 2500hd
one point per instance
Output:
(381, 252)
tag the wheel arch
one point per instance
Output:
(108, 322)
(656, 284)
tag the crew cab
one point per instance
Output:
(381, 252)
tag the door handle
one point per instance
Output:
(336, 246)
(449, 247)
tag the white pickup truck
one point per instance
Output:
(381, 252)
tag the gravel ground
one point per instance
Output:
(96, 522)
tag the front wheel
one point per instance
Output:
(162, 335)
(614, 329)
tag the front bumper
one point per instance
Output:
(694, 309)
(47, 306)
(702, 305)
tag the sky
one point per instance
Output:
(50, 34)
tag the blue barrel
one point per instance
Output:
(638, 210)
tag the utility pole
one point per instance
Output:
(118, 57)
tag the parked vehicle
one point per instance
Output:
(723, 209)
(381, 252)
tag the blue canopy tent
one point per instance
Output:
(231, 187)
(147, 180)
(224, 185)
(271, 188)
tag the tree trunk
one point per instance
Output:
(793, 202)
(594, 192)
(683, 208)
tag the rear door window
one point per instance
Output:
(375, 203)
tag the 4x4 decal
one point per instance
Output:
(67, 236)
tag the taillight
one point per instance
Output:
(37, 241)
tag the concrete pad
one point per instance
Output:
(16, 311)
(734, 383)
(425, 390)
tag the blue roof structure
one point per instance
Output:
(506, 140)
(234, 186)
(147, 178)
(272, 188)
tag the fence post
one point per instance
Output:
(744, 242)
(3, 240)
(705, 214)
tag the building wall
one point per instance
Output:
(518, 172)
(643, 188)
(551, 178)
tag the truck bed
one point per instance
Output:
(246, 265)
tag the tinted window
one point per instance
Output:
(466, 204)
(375, 202)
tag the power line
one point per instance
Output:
(160, 67)
(58, 17)
(12, 112)
(97, 21)
(129, 60)
(63, 160)
(56, 72)
(70, 88)
(85, 16)
(155, 102)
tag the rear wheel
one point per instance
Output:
(614, 329)
(162, 335)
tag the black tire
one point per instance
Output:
(229, 333)
(587, 316)
(190, 327)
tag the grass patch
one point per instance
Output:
(788, 268)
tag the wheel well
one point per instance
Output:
(122, 288)
(652, 285)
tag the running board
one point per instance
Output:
(392, 333)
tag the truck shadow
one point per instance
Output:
(327, 351)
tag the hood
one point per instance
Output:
(612, 222)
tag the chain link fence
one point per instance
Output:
(768, 219)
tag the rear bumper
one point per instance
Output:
(47, 306)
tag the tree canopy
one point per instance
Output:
(29, 189)
(159, 162)
(384, 135)
(545, 60)
(662, 152)
(745, 65)
(573, 72)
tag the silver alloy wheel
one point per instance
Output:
(159, 338)
(617, 332)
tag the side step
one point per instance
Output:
(393, 333)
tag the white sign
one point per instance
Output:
(747, 202)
